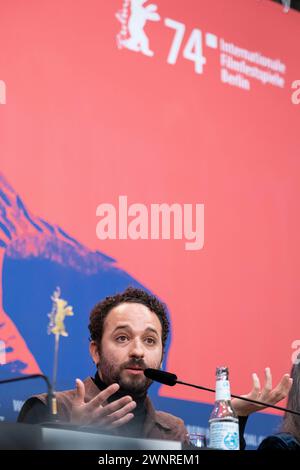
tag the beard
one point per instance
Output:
(135, 385)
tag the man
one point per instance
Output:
(128, 333)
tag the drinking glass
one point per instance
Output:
(197, 439)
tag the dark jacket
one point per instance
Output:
(157, 424)
(280, 441)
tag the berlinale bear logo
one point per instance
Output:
(133, 17)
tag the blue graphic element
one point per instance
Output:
(231, 441)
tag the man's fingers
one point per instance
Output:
(117, 415)
(256, 386)
(285, 384)
(266, 395)
(116, 405)
(80, 392)
(103, 396)
(268, 383)
(122, 421)
(282, 389)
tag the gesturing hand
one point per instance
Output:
(267, 394)
(98, 411)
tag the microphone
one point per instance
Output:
(51, 399)
(167, 378)
(161, 376)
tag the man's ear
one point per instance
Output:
(94, 352)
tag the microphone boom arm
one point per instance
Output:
(51, 400)
(167, 378)
(267, 405)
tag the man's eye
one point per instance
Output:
(121, 339)
(150, 341)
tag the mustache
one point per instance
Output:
(135, 363)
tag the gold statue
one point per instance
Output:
(60, 310)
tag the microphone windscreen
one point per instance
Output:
(161, 376)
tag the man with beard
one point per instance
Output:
(128, 333)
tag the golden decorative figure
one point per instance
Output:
(60, 310)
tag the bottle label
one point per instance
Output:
(224, 435)
(222, 390)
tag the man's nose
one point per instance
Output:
(137, 349)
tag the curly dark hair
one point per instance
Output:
(131, 294)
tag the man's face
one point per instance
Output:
(131, 342)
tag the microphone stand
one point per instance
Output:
(51, 399)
